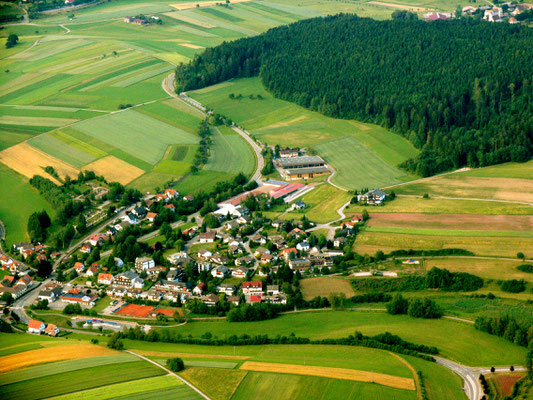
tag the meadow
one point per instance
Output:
(456, 340)
(275, 121)
(324, 286)
(230, 153)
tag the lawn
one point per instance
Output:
(456, 340)
(230, 153)
(134, 133)
(324, 286)
(15, 187)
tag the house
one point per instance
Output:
(79, 267)
(303, 246)
(436, 17)
(278, 240)
(239, 272)
(50, 293)
(199, 289)
(233, 299)
(278, 223)
(302, 167)
(253, 298)
(261, 250)
(131, 218)
(171, 207)
(78, 297)
(179, 258)
(287, 153)
(35, 326)
(151, 216)
(286, 253)
(411, 262)
(272, 290)
(171, 194)
(140, 212)
(513, 21)
(244, 219)
(92, 270)
(105, 279)
(266, 258)
(207, 237)
(188, 197)
(296, 232)
(227, 289)
(299, 205)
(144, 263)
(245, 260)
(494, 15)
(339, 241)
(210, 300)
(190, 231)
(252, 287)
(219, 272)
(128, 279)
(86, 248)
(258, 238)
(299, 264)
(374, 197)
(95, 240)
(51, 330)
(219, 259)
(280, 298)
(204, 254)
(231, 225)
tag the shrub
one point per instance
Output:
(513, 286)
(175, 364)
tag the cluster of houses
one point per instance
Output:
(491, 13)
(8, 263)
(39, 327)
(27, 249)
(16, 286)
(53, 292)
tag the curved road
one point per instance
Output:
(168, 87)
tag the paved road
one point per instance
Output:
(472, 387)
(172, 373)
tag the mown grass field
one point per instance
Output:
(456, 340)
(15, 187)
(511, 182)
(230, 153)
(324, 286)
(275, 121)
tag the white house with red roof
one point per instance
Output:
(171, 194)
(151, 216)
(105, 279)
(252, 287)
(36, 327)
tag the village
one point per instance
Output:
(510, 12)
(148, 263)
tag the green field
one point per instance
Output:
(456, 340)
(14, 212)
(258, 385)
(275, 121)
(230, 153)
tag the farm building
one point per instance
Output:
(304, 167)
(51, 330)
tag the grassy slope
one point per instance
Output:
(14, 212)
(458, 341)
(275, 121)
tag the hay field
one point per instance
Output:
(333, 373)
(51, 145)
(453, 221)
(28, 161)
(186, 6)
(218, 384)
(36, 121)
(57, 353)
(370, 242)
(114, 169)
(324, 286)
(230, 153)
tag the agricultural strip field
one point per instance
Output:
(134, 133)
(230, 153)
(333, 373)
(275, 121)
(219, 384)
(456, 340)
(15, 187)
(115, 170)
(324, 286)
(28, 161)
(73, 381)
(258, 385)
(443, 206)
(522, 223)
(160, 387)
(488, 269)
(60, 150)
(369, 242)
(57, 353)
(511, 182)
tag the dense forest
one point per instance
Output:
(459, 90)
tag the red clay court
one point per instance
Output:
(140, 311)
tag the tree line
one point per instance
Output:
(459, 90)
